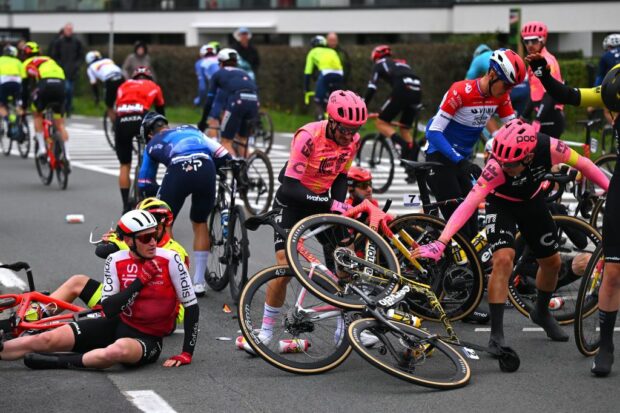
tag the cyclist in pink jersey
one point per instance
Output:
(548, 113)
(511, 182)
(314, 180)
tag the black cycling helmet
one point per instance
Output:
(151, 120)
(610, 89)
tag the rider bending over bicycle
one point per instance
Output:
(511, 182)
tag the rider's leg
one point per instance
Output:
(546, 281)
(609, 302)
(123, 350)
(213, 127)
(69, 290)
(37, 118)
(58, 339)
(59, 123)
(503, 260)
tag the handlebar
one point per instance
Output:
(561, 178)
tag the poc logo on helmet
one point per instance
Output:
(526, 138)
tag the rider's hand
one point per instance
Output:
(434, 250)
(538, 63)
(178, 360)
(149, 270)
(307, 96)
(536, 125)
(339, 207)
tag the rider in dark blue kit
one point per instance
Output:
(237, 92)
(191, 159)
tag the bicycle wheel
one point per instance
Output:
(238, 252)
(457, 279)
(62, 171)
(108, 129)
(587, 336)
(406, 355)
(376, 155)
(323, 327)
(23, 140)
(5, 142)
(607, 163)
(314, 239)
(256, 183)
(263, 132)
(44, 169)
(578, 241)
(216, 275)
(598, 211)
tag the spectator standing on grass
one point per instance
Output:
(139, 58)
(68, 52)
(332, 42)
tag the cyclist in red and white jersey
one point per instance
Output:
(141, 290)
(511, 183)
(314, 180)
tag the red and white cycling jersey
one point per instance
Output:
(153, 311)
(315, 160)
(137, 96)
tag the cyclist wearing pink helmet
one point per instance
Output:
(314, 180)
(548, 113)
(511, 182)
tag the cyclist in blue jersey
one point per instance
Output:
(480, 63)
(205, 67)
(191, 159)
(611, 57)
(238, 93)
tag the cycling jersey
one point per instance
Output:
(136, 96)
(153, 309)
(205, 68)
(537, 90)
(463, 113)
(479, 65)
(43, 67)
(103, 70)
(226, 82)
(328, 63)
(397, 73)
(11, 69)
(609, 59)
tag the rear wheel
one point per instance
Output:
(108, 129)
(238, 252)
(587, 336)
(263, 132)
(256, 183)
(376, 155)
(62, 166)
(5, 142)
(44, 169)
(216, 275)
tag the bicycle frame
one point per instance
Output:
(50, 138)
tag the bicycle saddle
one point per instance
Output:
(256, 221)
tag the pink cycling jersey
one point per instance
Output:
(537, 90)
(493, 178)
(316, 160)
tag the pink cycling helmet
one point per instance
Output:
(534, 29)
(514, 141)
(347, 107)
(508, 65)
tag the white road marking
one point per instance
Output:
(598, 329)
(482, 329)
(9, 279)
(148, 401)
(532, 329)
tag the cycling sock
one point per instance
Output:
(39, 137)
(607, 321)
(541, 316)
(39, 361)
(270, 315)
(497, 323)
(125, 198)
(200, 266)
(67, 156)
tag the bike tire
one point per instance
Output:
(238, 252)
(263, 132)
(445, 369)
(62, 171)
(23, 146)
(338, 231)
(567, 289)
(216, 275)
(256, 183)
(323, 355)
(108, 130)
(376, 155)
(587, 338)
(596, 216)
(6, 143)
(607, 163)
(44, 169)
(458, 283)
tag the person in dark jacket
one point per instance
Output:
(68, 51)
(332, 41)
(139, 58)
(248, 52)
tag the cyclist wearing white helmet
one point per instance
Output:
(611, 57)
(104, 70)
(205, 67)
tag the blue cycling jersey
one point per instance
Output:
(226, 82)
(205, 68)
(608, 60)
(174, 145)
(479, 65)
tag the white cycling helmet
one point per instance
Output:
(206, 49)
(612, 40)
(227, 54)
(135, 221)
(92, 56)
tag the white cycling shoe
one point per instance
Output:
(242, 344)
(200, 289)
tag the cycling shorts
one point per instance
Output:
(125, 128)
(531, 217)
(110, 87)
(190, 175)
(8, 90)
(91, 293)
(403, 101)
(94, 333)
(611, 220)
(325, 85)
(240, 110)
(49, 93)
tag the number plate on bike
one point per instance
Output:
(411, 200)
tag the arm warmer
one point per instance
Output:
(339, 187)
(435, 135)
(558, 90)
(103, 249)
(561, 153)
(114, 305)
(190, 327)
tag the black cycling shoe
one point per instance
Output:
(601, 366)
(478, 316)
(550, 325)
(44, 361)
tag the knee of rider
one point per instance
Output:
(45, 341)
(117, 352)
(77, 282)
(553, 263)
(281, 257)
(503, 262)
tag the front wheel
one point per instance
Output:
(23, 140)
(256, 183)
(412, 354)
(108, 129)
(237, 252)
(587, 336)
(44, 169)
(216, 275)
(62, 164)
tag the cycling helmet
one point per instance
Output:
(92, 56)
(227, 54)
(514, 141)
(150, 121)
(318, 41)
(242, 30)
(158, 208)
(31, 48)
(357, 174)
(612, 40)
(347, 107)
(380, 52)
(215, 45)
(481, 49)
(9, 50)
(142, 71)
(208, 50)
(533, 30)
(508, 65)
(135, 221)
(610, 89)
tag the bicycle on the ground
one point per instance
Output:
(54, 161)
(15, 129)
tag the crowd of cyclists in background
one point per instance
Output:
(528, 100)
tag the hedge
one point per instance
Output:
(281, 73)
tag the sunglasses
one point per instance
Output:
(363, 185)
(146, 238)
(347, 130)
(511, 165)
(531, 41)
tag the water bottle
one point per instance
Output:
(479, 241)
(224, 222)
(405, 318)
(296, 345)
(556, 303)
